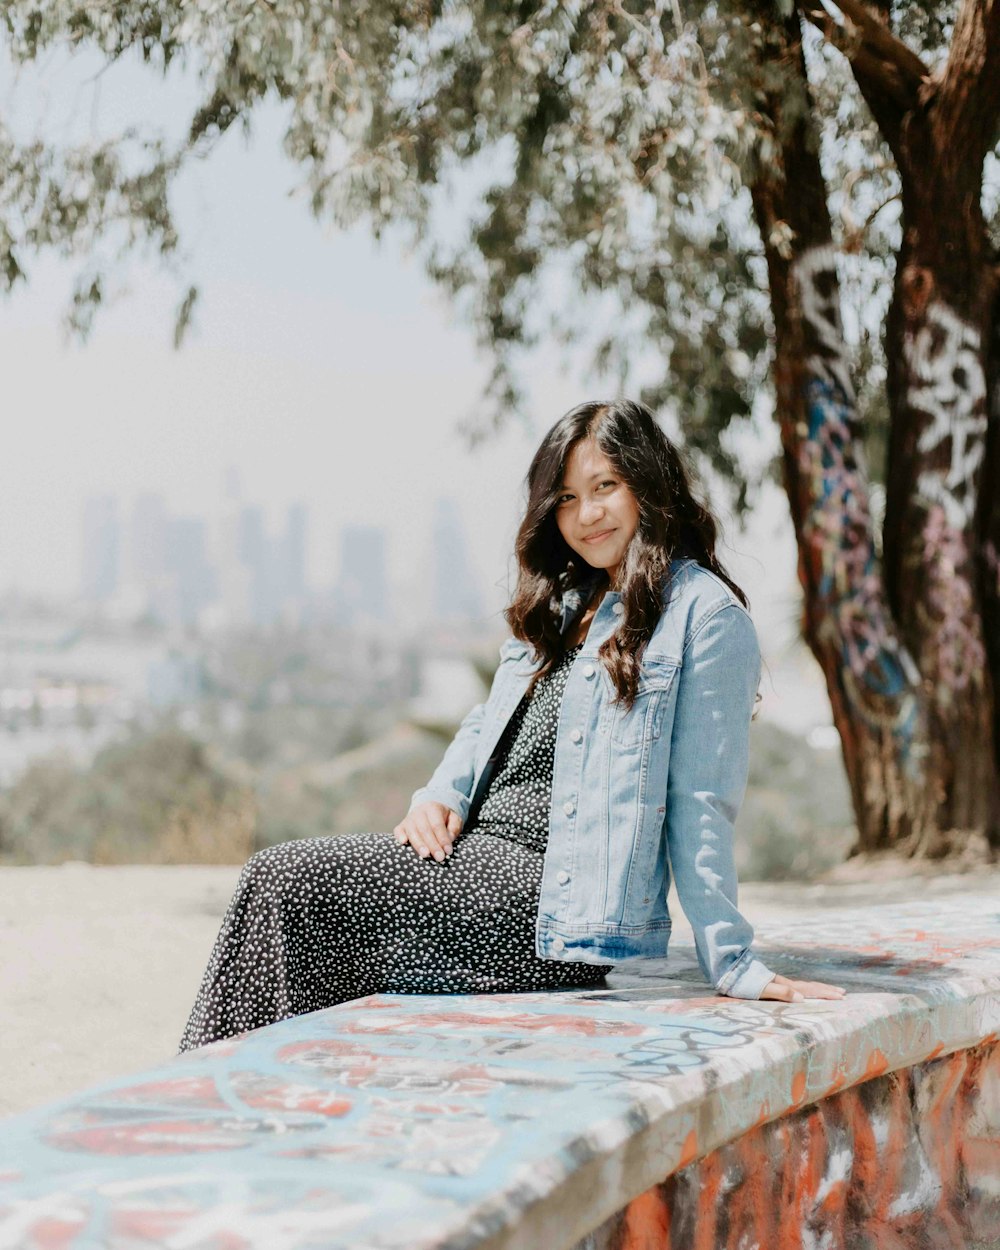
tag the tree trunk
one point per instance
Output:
(987, 524)
(938, 344)
(876, 693)
(935, 339)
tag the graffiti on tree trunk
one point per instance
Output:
(947, 384)
(947, 387)
(878, 673)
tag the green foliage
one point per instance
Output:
(614, 142)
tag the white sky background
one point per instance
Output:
(325, 368)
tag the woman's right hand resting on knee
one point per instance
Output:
(430, 828)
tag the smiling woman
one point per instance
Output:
(610, 753)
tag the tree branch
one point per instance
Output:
(969, 95)
(883, 42)
(890, 67)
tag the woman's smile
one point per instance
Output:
(593, 538)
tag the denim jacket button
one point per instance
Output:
(558, 944)
(562, 876)
(568, 807)
(589, 671)
(576, 735)
(618, 608)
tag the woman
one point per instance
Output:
(612, 750)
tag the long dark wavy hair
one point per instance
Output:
(672, 523)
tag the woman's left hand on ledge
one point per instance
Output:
(789, 991)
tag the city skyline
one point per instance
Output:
(238, 566)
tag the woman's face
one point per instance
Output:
(596, 512)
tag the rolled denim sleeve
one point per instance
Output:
(451, 782)
(709, 755)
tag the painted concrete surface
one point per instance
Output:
(522, 1120)
(907, 1161)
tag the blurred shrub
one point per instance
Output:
(797, 820)
(154, 799)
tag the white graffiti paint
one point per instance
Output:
(948, 384)
(819, 294)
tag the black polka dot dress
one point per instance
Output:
(324, 920)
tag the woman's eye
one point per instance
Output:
(608, 482)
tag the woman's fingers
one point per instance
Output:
(787, 990)
(430, 829)
(782, 991)
(820, 989)
(434, 837)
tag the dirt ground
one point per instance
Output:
(100, 966)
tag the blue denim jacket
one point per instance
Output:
(636, 794)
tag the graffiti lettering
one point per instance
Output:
(819, 293)
(947, 383)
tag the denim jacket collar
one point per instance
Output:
(575, 598)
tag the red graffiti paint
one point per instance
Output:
(907, 1160)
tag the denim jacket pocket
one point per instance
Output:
(631, 727)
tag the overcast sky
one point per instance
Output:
(325, 368)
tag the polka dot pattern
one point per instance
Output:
(321, 921)
(516, 802)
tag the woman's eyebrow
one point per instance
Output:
(599, 473)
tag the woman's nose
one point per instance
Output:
(590, 511)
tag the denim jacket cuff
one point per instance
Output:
(746, 978)
(457, 801)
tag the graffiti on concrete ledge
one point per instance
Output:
(907, 1160)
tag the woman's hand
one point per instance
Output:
(788, 991)
(430, 828)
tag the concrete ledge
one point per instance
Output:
(530, 1120)
(911, 1159)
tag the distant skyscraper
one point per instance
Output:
(101, 548)
(257, 555)
(454, 580)
(292, 556)
(194, 583)
(361, 591)
(147, 540)
(235, 580)
(252, 541)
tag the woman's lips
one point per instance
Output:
(596, 538)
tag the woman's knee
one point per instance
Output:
(269, 868)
